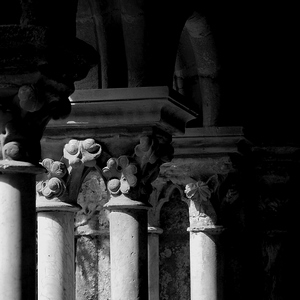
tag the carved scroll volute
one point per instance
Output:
(132, 176)
(63, 178)
(201, 211)
(77, 156)
(53, 185)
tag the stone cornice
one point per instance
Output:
(204, 141)
(112, 110)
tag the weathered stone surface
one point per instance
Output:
(174, 250)
(92, 268)
(88, 31)
(92, 219)
(259, 252)
(92, 241)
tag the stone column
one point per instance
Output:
(129, 185)
(160, 195)
(56, 205)
(39, 62)
(135, 127)
(205, 263)
(17, 229)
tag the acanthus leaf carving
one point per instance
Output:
(198, 196)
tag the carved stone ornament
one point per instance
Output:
(54, 185)
(63, 179)
(201, 211)
(162, 191)
(81, 153)
(132, 176)
(40, 59)
(121, 175)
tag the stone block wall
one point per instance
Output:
(174, 250)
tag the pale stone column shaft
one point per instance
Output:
(205, 265)
(56, 275)
(56, 205)
(18, 234)
(128, 250)
(129, 186)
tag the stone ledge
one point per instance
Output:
(207, 229)
(11, 166)
(210, 141)
(43, 205)
(110, 110)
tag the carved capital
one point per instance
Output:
(132, 176)
(121, 175)
(63, 179)
(39, 65)
(198, 197)
(215, 203)
(25, 112)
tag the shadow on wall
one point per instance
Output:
(174, 250)
(92, 241)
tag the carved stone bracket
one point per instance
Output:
(60, 185)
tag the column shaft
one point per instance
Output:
(153, 262)
(56, 274)
(205, 267)
(129, 255)
(17, 236)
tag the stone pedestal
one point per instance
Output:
(17, 230)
